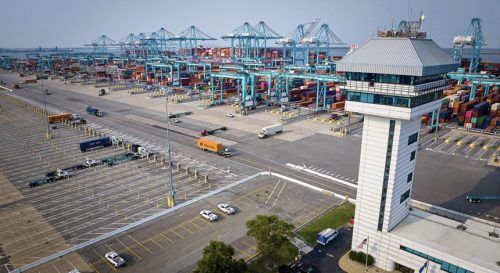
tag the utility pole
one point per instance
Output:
(47, 135)
(171, 192)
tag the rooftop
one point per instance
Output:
(398, 56)
(441, 234)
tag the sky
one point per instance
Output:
(71, 23)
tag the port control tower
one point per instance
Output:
(392, 80)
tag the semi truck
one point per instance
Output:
(206, 132)
(479, 198)
(94, 143)
(270, 130)
(213, 146)
(94, 111)
(62, 117)
(49, 177)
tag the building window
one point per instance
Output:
(445, 266)
(412, 155)
(404, 196)
(413, 138)
(387, 169)
(410, 177)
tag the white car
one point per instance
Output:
(74, 271)
(114, 259)
(90, 162)
(229, 115)
(210, 216)
(226, 208)
(176, 121)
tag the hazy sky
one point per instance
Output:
(71, 23)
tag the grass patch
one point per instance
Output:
(287, 255)
(332, 219)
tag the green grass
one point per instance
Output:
(259, 265)
(332, 219)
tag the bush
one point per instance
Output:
(360, 256)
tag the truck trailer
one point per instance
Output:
(213, 146)
(93, 143)
(94, 111)
(270, 130)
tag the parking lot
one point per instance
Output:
(174, 243)
(92, 201)
(468, 145)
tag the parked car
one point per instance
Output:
(226, 209)
(229, 115)
(114, 259)
(176, 121)
(210, 216)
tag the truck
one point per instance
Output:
(93, 143)
(270, 130)
(49, 177)
(479, 198)
(94, 111)
(327, 235)
(213, 146)
(206, 132)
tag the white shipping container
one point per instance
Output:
(495, 106)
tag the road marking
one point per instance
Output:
(95, 269)
(140, 244)
(251, 246)
(177, 233)
(182, 226)
(129, 249)
(101, 259)
(161, 234)
(195, 224)
(151, 239)
(246, 254)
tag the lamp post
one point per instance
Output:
(171, 192)
(47, 135)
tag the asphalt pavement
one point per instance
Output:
(325, 259)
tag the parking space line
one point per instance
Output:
(244, 252)
(247, 244)
(101, 259)
(161, 234)
(151, 239)
(177, 234)
(182, 226)
(91, 265)
(140, 244)
(129, 249)
(191, 222)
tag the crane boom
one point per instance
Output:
(311, 27)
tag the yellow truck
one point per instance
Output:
(213, 146)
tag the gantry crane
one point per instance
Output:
(472, 37)
(188, 39)
(295, 38)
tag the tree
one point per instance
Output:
(218, 258)
(271, 234)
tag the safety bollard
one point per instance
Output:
(187, 170)
(206, 178)
(178, 166)
(128, 147)
(195, 174)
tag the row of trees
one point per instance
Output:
(270, 233)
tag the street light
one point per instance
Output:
(47, 135)
(171, 192)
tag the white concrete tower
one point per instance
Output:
(392, 82)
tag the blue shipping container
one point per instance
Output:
(93, 143)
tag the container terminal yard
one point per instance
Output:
(124, 147)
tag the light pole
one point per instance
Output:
(47, 135)
(171, 192)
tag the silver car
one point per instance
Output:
(114, 259)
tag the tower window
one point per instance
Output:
(412, 155)
(410, 177)
(413, 138)
(404, 196)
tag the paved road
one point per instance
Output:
(325, 259)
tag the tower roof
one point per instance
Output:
(398, 56)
